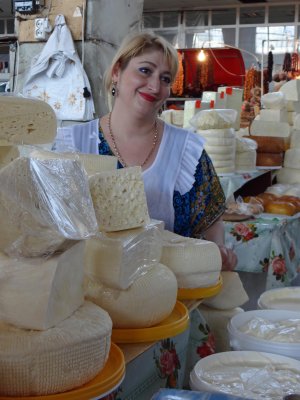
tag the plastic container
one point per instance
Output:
(242, 341)
(246, 374)
(175, 394)
(287, 298)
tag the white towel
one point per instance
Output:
(57, 77)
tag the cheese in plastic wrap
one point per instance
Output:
(214, 119)
(117, 259)
(46, 205)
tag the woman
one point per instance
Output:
(181, 185)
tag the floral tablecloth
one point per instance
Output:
(270, 243)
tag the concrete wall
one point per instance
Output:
(107, 22)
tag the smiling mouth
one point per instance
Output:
(148, 97)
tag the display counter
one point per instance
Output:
(165, 363)
(268, 245)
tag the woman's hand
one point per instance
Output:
(229, 258)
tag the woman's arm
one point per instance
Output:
(215, 233)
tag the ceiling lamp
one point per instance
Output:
(201, 56)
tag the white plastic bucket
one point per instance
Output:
(243, 341)
(246, 374)
(287, 298)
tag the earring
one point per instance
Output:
(113, 89)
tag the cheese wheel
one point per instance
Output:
(8, 154)
(35, 363)
(119, 199)
(198, 280)
(211, 150)
(219, 134)
(288, 175)
(149, 300)
(211, 140)
(280, 207)
(186, 256)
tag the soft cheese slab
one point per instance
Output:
(53, 193)
(40, 293)
(117, 259)
(195, 262)
(148, 301)
(36, 363)
(119, 199)
(26, 121)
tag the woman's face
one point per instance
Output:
(145, 82)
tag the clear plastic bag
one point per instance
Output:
(214, 119)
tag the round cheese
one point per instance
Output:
(149, 300)
(227, 133)
(34, 363)
(211, 150)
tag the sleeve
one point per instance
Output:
(203, 203)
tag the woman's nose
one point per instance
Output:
(154, 84)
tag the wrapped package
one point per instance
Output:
(45, 202)
(117, 259)
(214, 119)
(40, 293)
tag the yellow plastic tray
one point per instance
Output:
(173, 325)
(200, 293)
(104, 383)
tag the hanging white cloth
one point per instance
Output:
(58, 77)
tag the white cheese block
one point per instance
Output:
(278, 188)
(234, 100)
(211, 150)
(54, 190)
(288, 175)
(40, 293)
(188, 112)
(213, 119)
(292, 158)
(35, 363)
(217, 320)
(225, 170)
(119, 199)
(230, 156)
(210, 140)
(218, 98)
(177, 118)
(8, 154)
(245, 144)
(221, 134)
(166, 116)
(295, 139)
(297, 122)
(274, 115)
(270, 128)
(26, 121)
(246, 158)
(195, 262)
(291, 115)
(274, 101)
(291, 90)
(148, 301)
(119, 258)
(222, 163)
(231, 295)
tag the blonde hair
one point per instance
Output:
(134, 45)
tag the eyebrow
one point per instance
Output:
(154, 65)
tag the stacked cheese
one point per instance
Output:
(290, 173)
(216, 127)
(51, 340)
(123, 273)
(46, 203)
(233, 101)
(291, 91)
(173, 117)
(272, 130)
(245, 156)
(195, 262)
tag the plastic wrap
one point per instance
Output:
(117, 259)
(176, 394)
(245, 144)
(45, 202)
(254, 375)
(274, 100)
(240, 207)
(214, 119)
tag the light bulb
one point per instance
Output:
(201, 55)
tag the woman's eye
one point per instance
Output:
(166, 80)
(144, 70)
